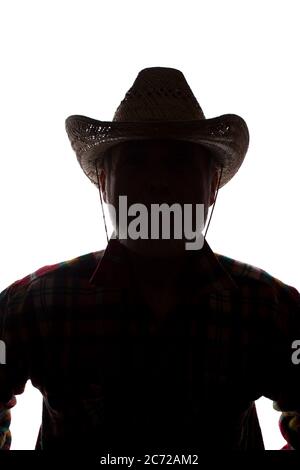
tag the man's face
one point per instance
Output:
(156, 172)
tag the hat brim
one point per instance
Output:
(227, 136)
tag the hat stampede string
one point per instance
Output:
(103, 215)
(214, 202)
(102, 208)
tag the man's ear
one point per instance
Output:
(103, 181)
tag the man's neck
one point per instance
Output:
(157, 271)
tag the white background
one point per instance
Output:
(80, 57)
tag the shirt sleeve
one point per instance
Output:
(5, 418)
(283, 367)
(15, 353)
(289, 424)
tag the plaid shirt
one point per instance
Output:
(110, 376)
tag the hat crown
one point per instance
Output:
(159, 94)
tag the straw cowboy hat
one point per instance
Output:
(160, 104)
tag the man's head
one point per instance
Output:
(156, 172)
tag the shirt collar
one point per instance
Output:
(112, 268)
(202, 266)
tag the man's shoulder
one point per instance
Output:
(79, 266)
(246, 274)
(241, 270)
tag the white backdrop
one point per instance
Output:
(80, 57)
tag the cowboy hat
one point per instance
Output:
(160, 104)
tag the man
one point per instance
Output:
(155, 343)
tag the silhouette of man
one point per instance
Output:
(153, 344)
